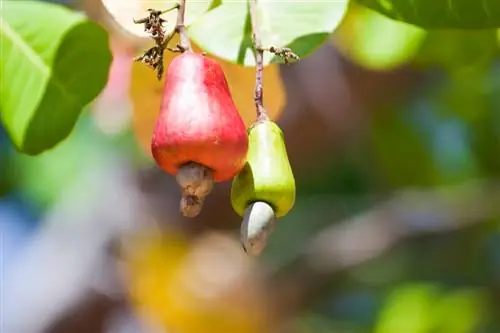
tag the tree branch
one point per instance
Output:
(285, 53)
(259, 63)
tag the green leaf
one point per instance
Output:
(459, 50)
(376, 42)
(396, 144)
(408, 309)
(214, 4)
(432, 14)
(301, 25)
(53, 62)
(460, 311)
(466, 56)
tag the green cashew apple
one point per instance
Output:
(266, 178)
(267, 175)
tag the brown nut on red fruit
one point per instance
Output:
(199, 136)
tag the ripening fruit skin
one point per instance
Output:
(267, 175)
(198, 120)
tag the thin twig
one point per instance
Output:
(285, 53)
(180, 28)
(259, 63)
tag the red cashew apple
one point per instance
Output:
(199, 136)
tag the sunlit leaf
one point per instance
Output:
(374, 41)
(301, 25)
(124, 13)
(53, 62)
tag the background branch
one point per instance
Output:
(369, 235)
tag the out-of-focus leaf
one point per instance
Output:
(460, 311)
(468, 14)
(376, 42)
(301, 25)
(53, 62)
(408, 309)
(459, 50)
(485, 129)
(146, 94)
(397, 145)
(43, 178)
(466, 57)
(465, 94)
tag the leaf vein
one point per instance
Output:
(34, 58)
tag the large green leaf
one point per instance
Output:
(53, 62)
(301, 25)
(375, 41)
(466, 14)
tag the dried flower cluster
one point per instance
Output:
(284, 52)
(153, 25)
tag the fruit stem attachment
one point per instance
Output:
(285, 53)
(180, 28)
(258, 223)
(196, 182)
(259, 63)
